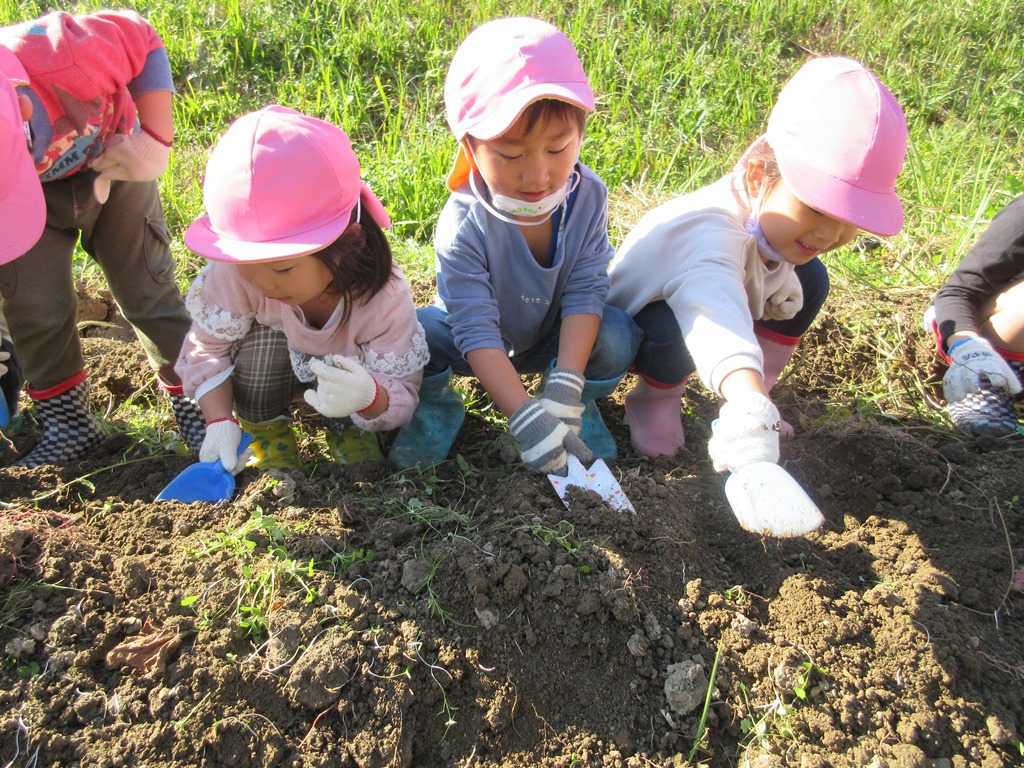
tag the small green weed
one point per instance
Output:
(563, 534)
(262, 575)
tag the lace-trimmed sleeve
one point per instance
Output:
(399, 366)
(211, 318)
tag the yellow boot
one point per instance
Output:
(352, 445)
(274, 444)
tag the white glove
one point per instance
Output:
(138, 157)
(343, 387)
(785, 302)
(4, 355)
(970, 359)
(221, 442)
(746, 430)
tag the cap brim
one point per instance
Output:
(22, 205)
(497, 121)
(877, 213)
(23, 211)
(203, 239)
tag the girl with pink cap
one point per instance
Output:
(522, 256)
(725, 280)
(301, 297)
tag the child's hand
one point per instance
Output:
(343, 387)
(561, 397)
(138, 157)
(221, 442)
(544, 441)
(970, 359)
(4, 355)
(785, 302)
(746, 430)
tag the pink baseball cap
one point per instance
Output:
(501, 68)
(279, 184)
(840, 139)
(22, 206)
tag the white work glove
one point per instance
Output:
(4, 355)
(746, 430)
(138, 157)
(785, 302)
(561, 397)
(544, 441)
(970, 359)
(343, 387)
(221, 442)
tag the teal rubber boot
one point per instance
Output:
(594, 432)
(435, 423)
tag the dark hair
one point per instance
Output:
(544, 110)
(359, 261)
(772, 175)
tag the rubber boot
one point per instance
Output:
(352, 445)
(435, 423)
(594, 432)
(69, 430)
(653, 414)
(187, 414)
(776, 358)
(274, 444)
(190, 421)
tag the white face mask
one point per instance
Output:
(753, 227)
(503, 206)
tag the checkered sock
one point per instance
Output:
(69, 430)
(987, 412)
(191, 424)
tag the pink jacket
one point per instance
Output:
(382, 334)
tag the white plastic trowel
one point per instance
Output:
(767, 500)
(598, 478)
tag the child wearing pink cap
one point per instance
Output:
(301, 297)
(522, 256)
(85, 130)
(978, 321)
(725, 280)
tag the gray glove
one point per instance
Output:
(544, 441)
(970, 359)
(746, 430)
(561, 397)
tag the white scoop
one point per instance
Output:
(767, 500)
(598, 478)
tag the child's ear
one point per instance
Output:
(25, 104)
(754, 177)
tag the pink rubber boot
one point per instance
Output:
(776, 357)
(655, 424)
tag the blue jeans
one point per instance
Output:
(663, 356)
(614, 349)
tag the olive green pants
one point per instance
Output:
(128, 238)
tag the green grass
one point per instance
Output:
(682, 87)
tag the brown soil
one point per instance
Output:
(464, 617)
